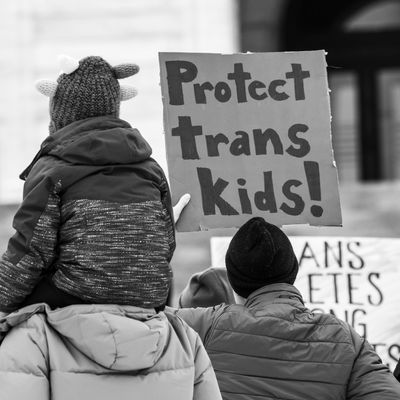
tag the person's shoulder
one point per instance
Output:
(180, 328)
(197, 317)
(152, 165)
(330, 319)
(46, 175)
(337, 328)
(30, 321)
(176, 314)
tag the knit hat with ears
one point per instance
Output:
(259, 254)
(86, 88)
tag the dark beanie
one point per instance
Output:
(206, 289)
(259, 254)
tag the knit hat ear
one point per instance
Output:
(122, 71)
(46, 87)
(127, 92)
(67, 64)
(259, 254)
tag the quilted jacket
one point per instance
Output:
(96, 215)
(102, 352)
(273, 347)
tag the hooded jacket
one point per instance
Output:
(102, 352)
(273, 347)
(97, 215)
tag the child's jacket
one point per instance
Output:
(97, 214)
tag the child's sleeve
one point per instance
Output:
(166, 201)
(32, 249)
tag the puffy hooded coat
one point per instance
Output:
(97, 352)
(273, 347)
(97, 215)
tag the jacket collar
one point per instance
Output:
(105, 140)
(282, 292)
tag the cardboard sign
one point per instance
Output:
(356, 279)
(249, 135)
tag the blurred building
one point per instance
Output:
(361, 38)
(362, 41)
(34, 32)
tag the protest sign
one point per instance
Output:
(355, 279)
(249, 135)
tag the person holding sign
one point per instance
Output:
(269, 345)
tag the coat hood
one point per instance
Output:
(121, 338)
(104, 140)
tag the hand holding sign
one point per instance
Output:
(178, 208)
(249, 135)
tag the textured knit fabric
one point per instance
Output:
(97, 215)
(259, 254)
(207, 288)
(97, 352)
(90, 91)
(273, 347)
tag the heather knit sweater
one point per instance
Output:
(97, 215)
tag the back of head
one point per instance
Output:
(86, 88)
(259, 254)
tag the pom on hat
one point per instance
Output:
(259, 254)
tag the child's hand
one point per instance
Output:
(183, 201)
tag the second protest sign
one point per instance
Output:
(354, 278)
